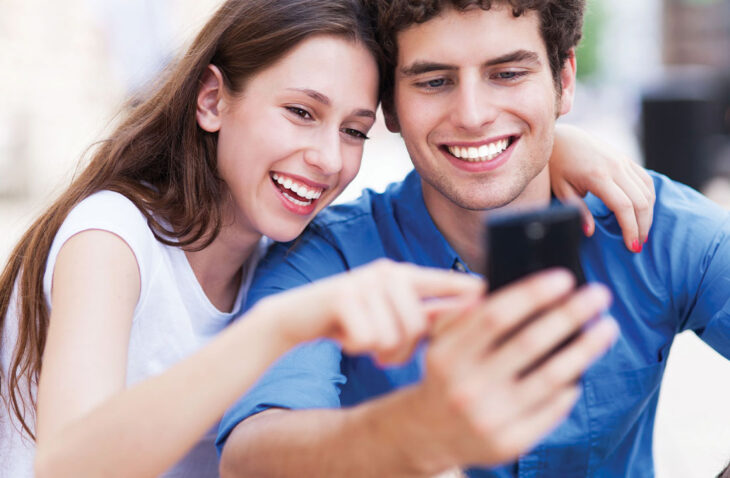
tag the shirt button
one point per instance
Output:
(459, 266)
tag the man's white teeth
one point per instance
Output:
(485, 152)
(299, 189)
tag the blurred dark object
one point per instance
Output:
(686, 117)
(686, 126)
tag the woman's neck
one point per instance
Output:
(218, 267)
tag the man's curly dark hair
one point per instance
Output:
(561, 27)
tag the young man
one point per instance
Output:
(475, 93)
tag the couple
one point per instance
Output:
(460, 76)
(123, 287)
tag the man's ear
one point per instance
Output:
(567, 80)
(210, 100)
(391, 119)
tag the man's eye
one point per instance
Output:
(437, 83)
(432, 84)
(301, 112)
(509, 75)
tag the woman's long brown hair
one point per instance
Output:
(161, 160)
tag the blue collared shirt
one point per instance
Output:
(681, 281)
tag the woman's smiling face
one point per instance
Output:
(293, 140)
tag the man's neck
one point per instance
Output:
(464, 229)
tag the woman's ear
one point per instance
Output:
(210, 100)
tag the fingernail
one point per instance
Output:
(586, 229)
(600, 293)
(561, 276)
(635, 246)
(610, 325)
(646, 239)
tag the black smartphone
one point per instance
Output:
(521, 243)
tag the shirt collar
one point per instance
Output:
(428, 245)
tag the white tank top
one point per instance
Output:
(172, 319)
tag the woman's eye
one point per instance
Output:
(355, 133)
(301, 112)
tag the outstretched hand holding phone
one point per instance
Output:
(496, 381)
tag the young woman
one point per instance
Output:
(120, 286)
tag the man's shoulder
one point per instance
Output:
(341, 237)
(677, 207)
(677, 199)
(363, 212)
(358, 210)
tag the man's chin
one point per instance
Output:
(483, 203)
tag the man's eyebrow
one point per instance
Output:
(517, 56)
(421, 67)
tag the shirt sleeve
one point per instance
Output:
(111, 212)
(310, 375)
(709, 312)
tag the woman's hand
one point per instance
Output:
(581, 164)
(382, 307)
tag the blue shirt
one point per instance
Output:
(681, 281)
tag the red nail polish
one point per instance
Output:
(586, 230)
(647, 239)
(635, 246)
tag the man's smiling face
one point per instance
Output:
(476, 104)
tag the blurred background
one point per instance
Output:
(654, 82)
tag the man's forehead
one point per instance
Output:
(475, 35)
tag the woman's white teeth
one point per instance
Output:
(485, 152)
(299, 189)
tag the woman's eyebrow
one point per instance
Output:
(314, 94)
(324, 99)
(365, 113)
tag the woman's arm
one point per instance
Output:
(479, 400)
(581, 164)
(89, 424)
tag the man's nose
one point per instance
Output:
(473, 106)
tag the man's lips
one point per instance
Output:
(479, 152)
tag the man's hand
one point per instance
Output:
(494, 382)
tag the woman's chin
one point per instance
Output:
(287, 234)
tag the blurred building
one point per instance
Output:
(67, 67)
(697, 32)
(686, 115)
